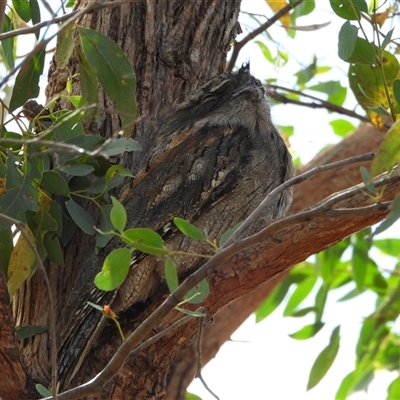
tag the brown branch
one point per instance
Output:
(251, 219)
(323, 104)
(237, 46)
(217, 264)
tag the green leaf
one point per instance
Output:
(308, 331)
(106, 226)
(346, 386)
(347, 40)
(27, 331)
(335, 91)
(265, 50)
(53, 249)
(197, 294)
(304, 8)
(320, 301)
(364, 53)
(324, 360)
(392, 217)
(65, 46)
(349, 9)
(23, 9)
(43, 391)
(35, 14)
(273, 300)
(227, 235)
(191, 396)
(171, 275)
(114, 270)
(52, 182)
(8, 45)
(306, 74)
(342, 127)
(75, 168)
(188, 229)
(366, 177)
(351, 295)
(27, 82)
(145, 240)
(394, 389)
(89, 89)
(22, 262)
(118, 215)
(369, 88)
(81, 217)
(359, 260)
(113, 71)
(328, 260)
(302, 312)
(115, 175)
(387, 39)
(388, 246)
(119, 146)
(396, 90)
(21, 191)
(301, 292)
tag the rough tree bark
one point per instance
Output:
(173, 46)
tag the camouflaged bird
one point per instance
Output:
(217, 157)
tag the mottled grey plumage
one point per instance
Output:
(219, 155)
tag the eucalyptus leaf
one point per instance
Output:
(81, 217)
(324, 360)
(115, 270)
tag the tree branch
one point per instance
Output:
(237, 46)
(290, 229)
(323, 104)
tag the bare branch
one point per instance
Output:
(239, 45)
(326, 105)
(291, 182)
(67, 17)
(165, 332)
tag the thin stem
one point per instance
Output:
(239, 45)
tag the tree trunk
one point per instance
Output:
(173, 46)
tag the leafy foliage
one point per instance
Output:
(52, 168)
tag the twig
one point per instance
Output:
(133, 340)
(69, 19)
(239, 45)
(161, 334)
(321, 103)
(52, 313)
(198, 351)
(250, 220)
(72, 15)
